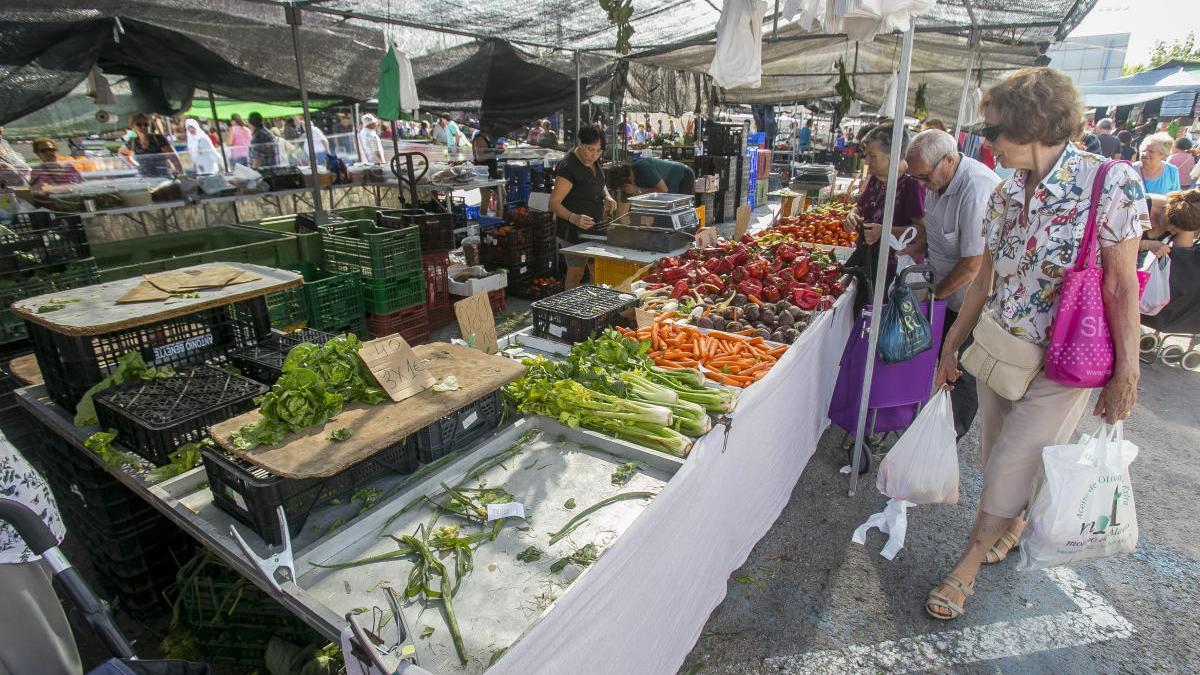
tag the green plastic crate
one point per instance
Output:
(334, 299)
(384, 296)
(360, 212)
(359, 246)
(19, 287)
(288, 309)
(307, 243)
(223, 243)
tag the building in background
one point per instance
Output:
(1091, 58)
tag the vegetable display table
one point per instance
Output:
(652, 587)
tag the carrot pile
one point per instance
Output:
(734, 359)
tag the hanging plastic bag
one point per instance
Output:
(892, 521)
(922, 467)
(1084, 507)
(905, 331)
(1157, 292)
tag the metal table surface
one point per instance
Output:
(600, 249)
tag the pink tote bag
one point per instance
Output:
(1081, 349)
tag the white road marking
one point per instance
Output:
(1094, 621)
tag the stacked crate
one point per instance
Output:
(528, 251)
(518, 178)
(41, 252)
(393, 274)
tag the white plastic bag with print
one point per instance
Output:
(1158, 287)
(922, 467)
(1084, 507)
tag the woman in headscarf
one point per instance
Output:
(368, 140)
(200, 148)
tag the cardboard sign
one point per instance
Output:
(627, 284)
(392, 361)
(644, 319)
(476, 323)
(743, 222)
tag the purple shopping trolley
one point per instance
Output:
(898, 390)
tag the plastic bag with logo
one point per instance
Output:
(905, 331)
(1084, 507)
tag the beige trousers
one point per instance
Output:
(35, 638)
(1012, 435)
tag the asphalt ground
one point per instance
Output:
(808, 600)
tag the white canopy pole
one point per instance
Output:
(889, 212)
(962, 101)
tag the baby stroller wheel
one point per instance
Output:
(1172, 354)
(1191, 361)
(1149, 342)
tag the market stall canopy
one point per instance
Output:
(506, 86)
(1168, 79)
(798, 64)
(239, 49)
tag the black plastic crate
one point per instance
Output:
(437, 229)
(282, 177)
(251, 494)
(264, 362)
(575, 315)
(35, 243)
(510, 258)
(71, 364)
(459, 429)
(154, 417)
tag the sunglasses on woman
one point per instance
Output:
(990, 131)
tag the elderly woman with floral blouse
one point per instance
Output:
(1033, 231)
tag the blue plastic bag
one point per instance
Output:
(905, 331)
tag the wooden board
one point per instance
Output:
(312, 455)
(97, 311)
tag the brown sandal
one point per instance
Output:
(939, 599)
(996, 554)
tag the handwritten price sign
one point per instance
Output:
(392, 361)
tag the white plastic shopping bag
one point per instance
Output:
(892, 521)
(1084, 507)
(1158, 288)
(922, 467)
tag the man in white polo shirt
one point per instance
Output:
(957, 189)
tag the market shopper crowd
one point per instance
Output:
(1000, 248)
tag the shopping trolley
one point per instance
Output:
(1180, 318)
(898, 390)
(89, 609)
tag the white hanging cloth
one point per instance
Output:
(408, 83)
(737, 61)
(888, 107)
(861, 20)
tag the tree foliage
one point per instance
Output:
(1163, 52)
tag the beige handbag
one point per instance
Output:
(1004, 362)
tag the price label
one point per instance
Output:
(392, 361)
(476, 322)
(506, 510)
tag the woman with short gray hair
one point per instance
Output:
(1159, 176)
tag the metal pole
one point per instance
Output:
(962, 101)
(354, 132)
(578, 94)
(889, 212)
(212, 103)
(293, 18)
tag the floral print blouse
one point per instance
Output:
(1031, 250)
(21, 482)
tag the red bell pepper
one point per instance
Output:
(806, 299)
(771, 294)
(800, 269)
(672, 274)
(680, 290)
(714, 281)
(713, 265)
(758, 269)
(750, 287)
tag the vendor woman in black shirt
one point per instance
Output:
(580, 196)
